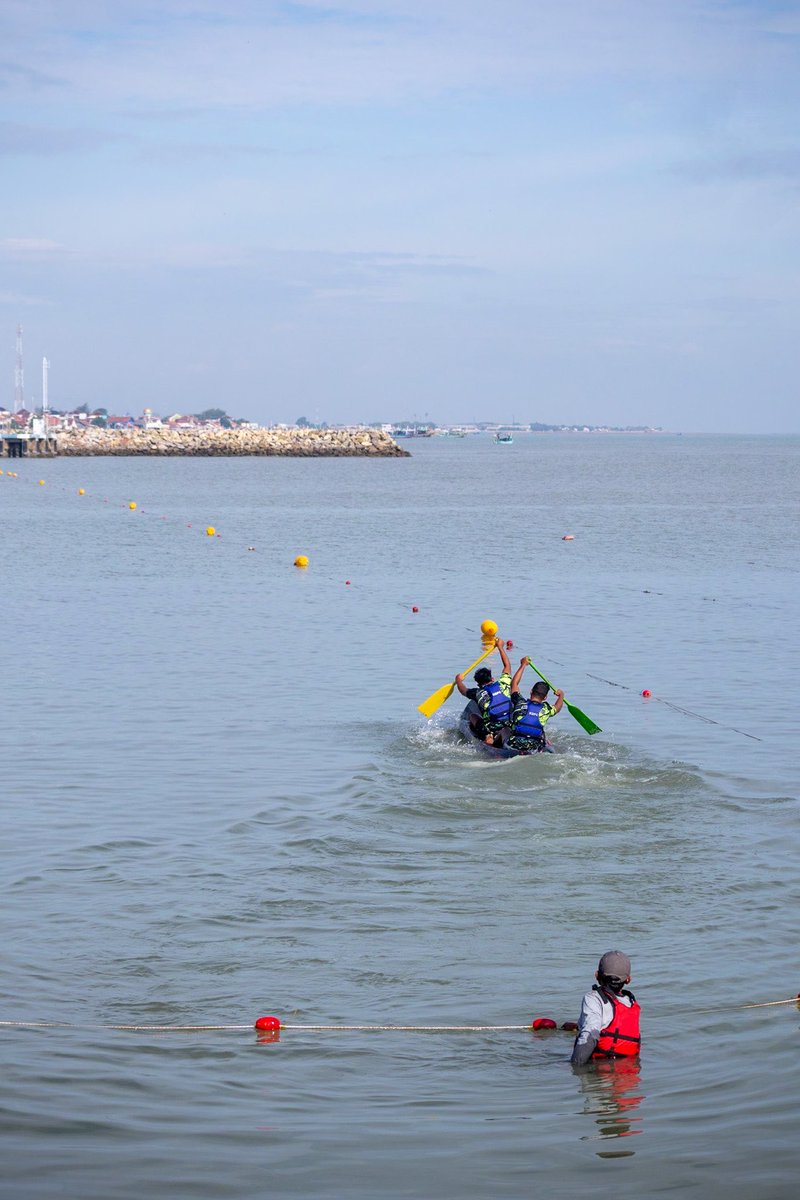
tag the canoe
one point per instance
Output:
(491, 751)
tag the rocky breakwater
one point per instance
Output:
(212, 441)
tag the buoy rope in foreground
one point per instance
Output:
(275, 1025)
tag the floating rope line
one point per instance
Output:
(123, 1028)
(688, 712)
(209, 531)
(763, 1004)
(275, 1025)
(409, 1028)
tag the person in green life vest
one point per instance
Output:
(491, 700)
(529, 715)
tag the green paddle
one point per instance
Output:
(579, 715)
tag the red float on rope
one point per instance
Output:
(268, 1023)
(543, 1023)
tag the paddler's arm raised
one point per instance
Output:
(461, 685)
(501, 646)
(559, 704)
(515, 682)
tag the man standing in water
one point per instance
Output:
(609, 1022)
(492, 700)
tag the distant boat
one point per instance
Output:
(504, 439)
(411, 431)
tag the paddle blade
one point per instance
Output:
(582, 719)
(435, 702)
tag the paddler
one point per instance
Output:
(492, 700)
(529, 715)
(609, 1022)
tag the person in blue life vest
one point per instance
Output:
(491, 700)
(608, 1026)
(529, 715)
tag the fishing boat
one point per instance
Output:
(409, 431)
(504, 439)
(490, 751)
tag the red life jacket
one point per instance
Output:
(621, 1035)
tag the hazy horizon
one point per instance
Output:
(573, 214)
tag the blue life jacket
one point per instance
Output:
(494, 704)
(529, 725)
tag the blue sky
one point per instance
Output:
(554, 210)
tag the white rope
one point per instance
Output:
(339, 1028)
(763, 1004)
(128, 1028)
(408, 1028)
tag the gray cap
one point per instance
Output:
(615, 964)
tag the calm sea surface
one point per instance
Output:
(219, 801)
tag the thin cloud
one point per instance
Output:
(46, 141)
(22, 249)
(753, 165)
(13, 75)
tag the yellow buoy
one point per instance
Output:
(81, 492)
(210, 530)
(41, 483)
(489, 629)
(132, 505)
(301, 561)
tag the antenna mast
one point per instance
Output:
(19, 375)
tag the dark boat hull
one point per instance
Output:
(491, 751)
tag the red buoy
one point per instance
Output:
(268, 1023)
(414, 608)
(347, 583)
(510, 644)
(645, 693)
(543, 1023)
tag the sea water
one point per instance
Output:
(219, 801)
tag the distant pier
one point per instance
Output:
(27, 445)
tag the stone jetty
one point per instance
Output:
(213, 441)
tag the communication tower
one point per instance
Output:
(45, 371)
(19, 375)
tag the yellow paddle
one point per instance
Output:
(434, 702)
